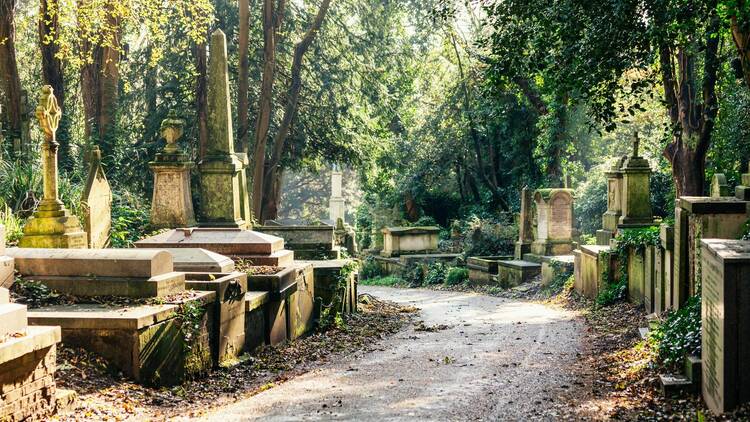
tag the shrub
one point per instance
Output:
(370, 269)
(130, 220)
(680, 334)
(490, 236)
(436, 273)
(627, 239)
(414, 275)
(456, 275)
(591, 201)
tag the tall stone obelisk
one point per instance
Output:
(51, 226)
(337, 204)
(223, 190)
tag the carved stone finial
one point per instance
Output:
(636, 144)
(48, 112)
(172, 129)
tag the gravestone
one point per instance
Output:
(525, 233)
(222, 194)
(636, 191)
(611, 218)
(51, 226)
(725, 323)
(742, 191)
(172, 202)
(337, 204)
(97, 203)
(554, 217)
(719, 186)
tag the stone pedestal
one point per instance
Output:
(525, 230)
(172, 203)
(337, 203)
(554, 222)
(636, 193)
(726, 322)
(611, 218)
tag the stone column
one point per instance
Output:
(52, 226)
(611, 218)
(636, 191)
(172, 203)
(337, 204)
(525, 235)
(221, 170)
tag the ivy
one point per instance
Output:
(636, 240)
(331, 314)
(680, 334)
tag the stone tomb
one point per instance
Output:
(554, 265)
(106, 272)
(257, 248)
(514, 273)
(409, 240)
(329, 291)
(27, 362)
(554, 222)
(307, 242)
(96, 203)
(591, 263)
(482, 268)
(726, 322)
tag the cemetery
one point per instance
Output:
(358, 210)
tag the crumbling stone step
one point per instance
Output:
(673, 385)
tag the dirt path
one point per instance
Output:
(497, 359)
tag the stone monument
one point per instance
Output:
(636, 191)
(525, 233)
(337, 204)
(611, 218)
(726, 320)
(719, 186)
(743, 190)
(51, 226)
(96, 202)
(172, 203)
(221, 170)
(554, 217)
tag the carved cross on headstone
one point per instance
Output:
(171, 131)
(49, 114)
(636, 144)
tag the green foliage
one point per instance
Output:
(626, 240)
(562, 276)
(456, 276)
(13, 226)
(389, 281)
(370, 269)
(436, 274)
(591, 202)
(486, 237)
(34, 294)
(332, 314)
(414, 274)
(679, 334)
(130, 221)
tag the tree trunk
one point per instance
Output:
(11, 82)
(293, 93)
(99, 84)
(740, 24)
(272, 202)
(241, 145)
(263, 121)
(201, 97)
(53, 74)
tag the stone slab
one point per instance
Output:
(158, 286)
(254, 300)
(514, 273)
(224, 241)
(36, 338)
(13, 317)
(128, 263)
(706, 205)
(278, 285)
(4, 296)
(200, 260)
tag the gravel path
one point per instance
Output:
(495, 359)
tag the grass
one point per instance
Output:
(390, 280)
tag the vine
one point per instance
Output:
(331, 314)
(189, 315)
(636, 240)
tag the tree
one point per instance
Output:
(243, 77)
(11, 83)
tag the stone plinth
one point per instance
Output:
(337, 204)
(636, 193)
(513, 273)
(482, 268)
(409, 240)
(301, 303)
(105, 272)
(258, 248)
(145, 342)
(200, 260)
(554, 222)
(171, 203)
(96, 203)
(611, 218)
(591, 263)
(726, 321)
(228, 332)
(525, 232)
(699, 218)
(307, 242)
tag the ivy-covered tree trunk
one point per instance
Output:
(11, 82)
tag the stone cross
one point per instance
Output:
(49, 114)
(171, 130)
(636, 144)
(221, 138)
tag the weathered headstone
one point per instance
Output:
(719, 186)
(52, 226)
(172, 203)
(554, 217)
(725, 323)
(221, 170)
(412, 240)
(337, 204)
(636, 190)
(525, 232)
(611, 218)
(97, 203)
